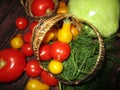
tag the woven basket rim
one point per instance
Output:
(27, 3)
(41, 29)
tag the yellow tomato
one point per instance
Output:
(55, 67)
(35, 84)
(65, 34)
(16, 42)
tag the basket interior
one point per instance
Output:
(86, 51)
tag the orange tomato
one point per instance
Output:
(74, 31)
(62, 9)
(17, 42)
(61, 4)
(51, 35)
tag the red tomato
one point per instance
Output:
(21, 23)
(33, 68)
(27, 49)
(44, 52)
(32, 25)
(27, 37)
(42, 7)
(48, 78)
(12, 64)
(60, 51)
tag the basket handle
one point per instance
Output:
(23, 2)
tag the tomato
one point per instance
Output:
(12, 64)
(21, 23)
(44, 52)
(35, 84)
(65, 34)
(27, 49)
(48, 78)
(74, 31)
(62, 4)
(27, 37)
(42, 7)
(62, 8)
(48, 37)
(60, 51)
(51, 35)
(55, 67)
(33, 68)
(16, 42)
(32, 25)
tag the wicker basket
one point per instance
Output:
(42, 28)
(27, 5)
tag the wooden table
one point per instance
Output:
(9, 11)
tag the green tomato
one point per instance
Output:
(103, 14)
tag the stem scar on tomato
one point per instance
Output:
(2, 63)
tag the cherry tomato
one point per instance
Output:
(48, 78)
(74, 31)
(16, 42)
(42, 7)
(12, 64)
(62, 8)
(33, 68)
(44, 52)
(32, 25)
(21, 23)
(65, 34)
(27, 37)
(35, 84)
(27, 49)
(62, 4)
(55, 67)
(60, 51)
(51, 35)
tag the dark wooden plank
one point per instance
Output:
(16, 85)
(7, 25)
(9, 11)
(5, 7)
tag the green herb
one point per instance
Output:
(106, 76)
(84, 53)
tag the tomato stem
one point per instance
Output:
(48, 11)
(2, 63)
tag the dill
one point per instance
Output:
(84, 53)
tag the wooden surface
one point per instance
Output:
(9, 11)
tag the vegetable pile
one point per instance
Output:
(83, 55)
(66, 52)
(19, 56)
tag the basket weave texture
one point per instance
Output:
(43, 27)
